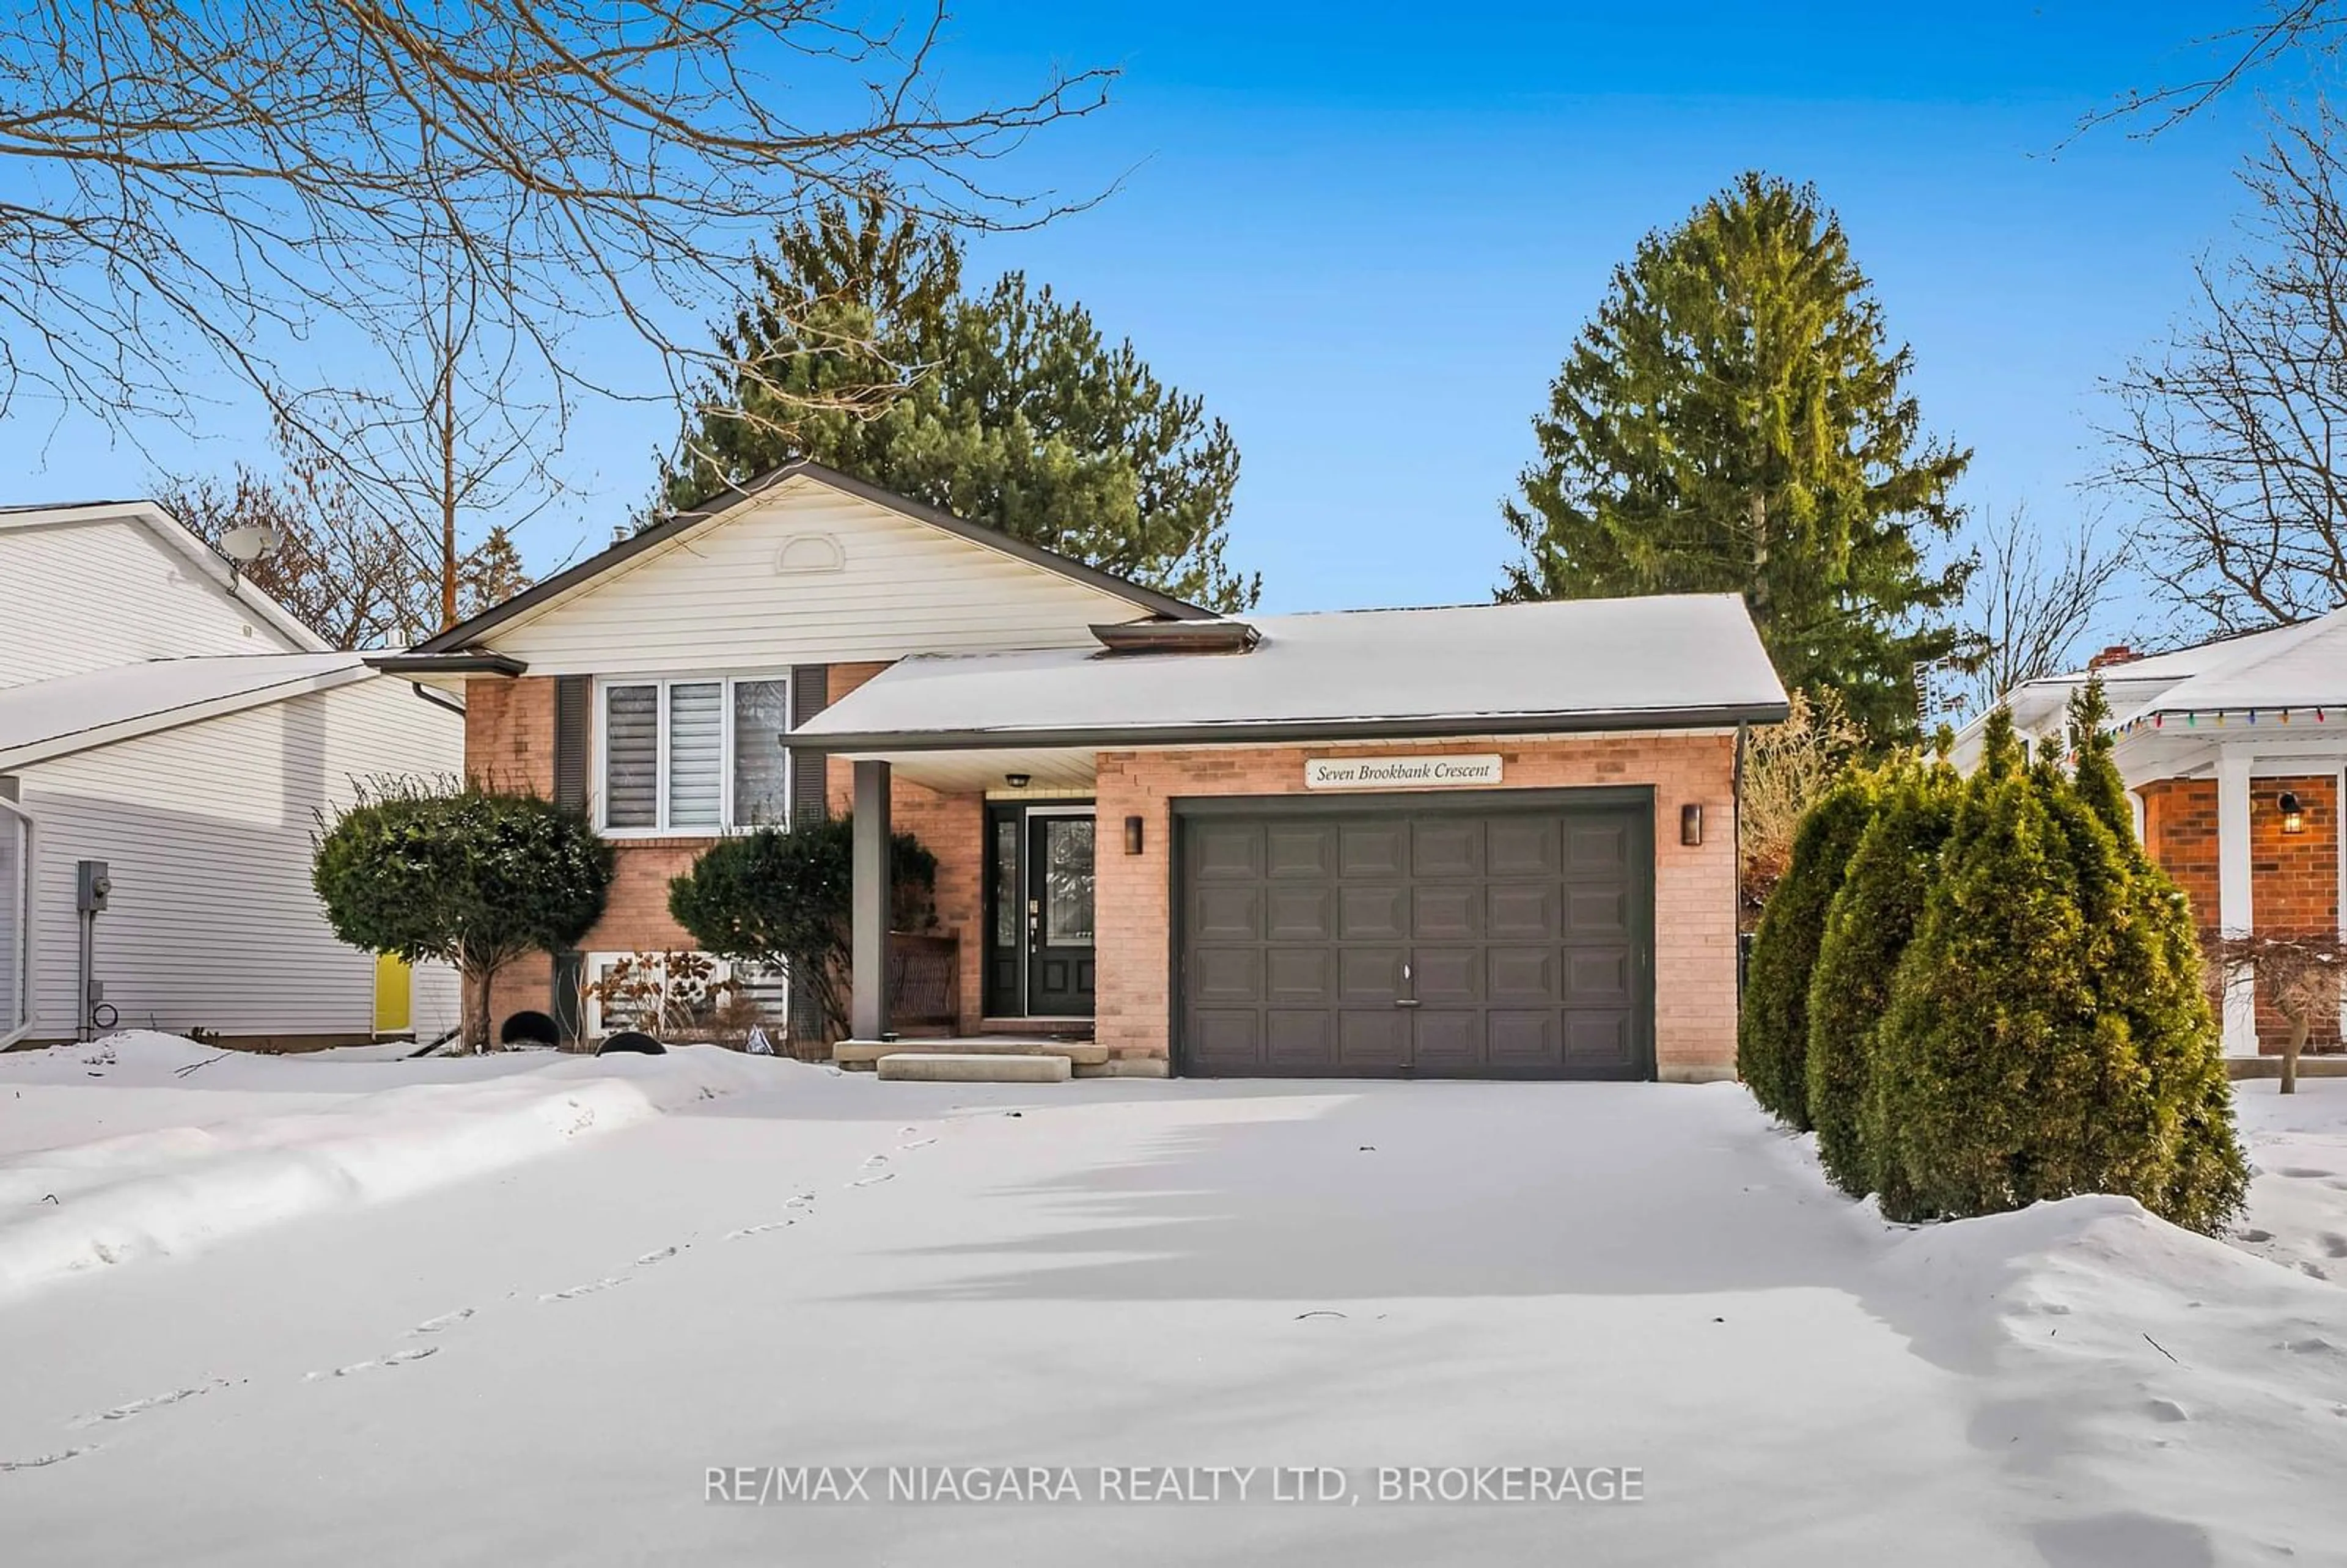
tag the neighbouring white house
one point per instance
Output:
(2235, 752)
(173, 725)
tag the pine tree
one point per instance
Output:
(1867, 930)
(1735, 420)
(1772, 1037)
(1008, 407)
(491, 574)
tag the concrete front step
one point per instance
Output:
(954, 1067)
(864, 1052)
(1124, 1067)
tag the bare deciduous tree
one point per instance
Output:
(1787, 767)
(2303, 975)
(247, 183)
(2032, 601)
(2233, 440)
(2281, 29)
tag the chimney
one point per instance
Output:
(2116, 653)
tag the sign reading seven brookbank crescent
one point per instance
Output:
(1398, 772)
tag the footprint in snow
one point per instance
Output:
(45, 1459)
(875, 1160)
(874, 1181)
(2335, 1245)
(918, 1143)
(397, 1359)
(152, 1402)
(758, 1230)
(662, 1256)
(2305, 1172)
(575, 1291)
(445, 1320)
(2254, 1236)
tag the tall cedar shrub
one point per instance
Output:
(1990, 1028)
(1772, 1038)
(784, 896)
(1867, 930)
(2043, 1035)
(470, 876)
(2154, 978)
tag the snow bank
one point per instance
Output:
(177, 1188)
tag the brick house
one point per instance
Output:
(1492, 841)
(2234, 751)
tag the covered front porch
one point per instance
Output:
(1015, 835)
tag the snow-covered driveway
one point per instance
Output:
(543, 1362)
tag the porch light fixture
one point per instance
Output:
(1132, 836)
(1691, 825)
(2293, 817)
(1018, 781)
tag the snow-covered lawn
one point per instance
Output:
(450, 1323)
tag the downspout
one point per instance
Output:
(437, 701)
(1735, 886)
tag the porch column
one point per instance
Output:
(2235, 917)
(867, 1009)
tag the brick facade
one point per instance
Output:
(2293, 877)
(1695, 889)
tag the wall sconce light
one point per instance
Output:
(1016, 781)
(1132, 836)
(1691, 825)
(2293, 816)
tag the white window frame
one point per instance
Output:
(23, 955)
(727, 679)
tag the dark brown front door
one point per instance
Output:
(1039, 937)
(1410, 938)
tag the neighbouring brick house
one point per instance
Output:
(1493, 841)
(2234, 751)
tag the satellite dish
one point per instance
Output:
(248, 544)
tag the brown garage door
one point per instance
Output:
(1487, 939)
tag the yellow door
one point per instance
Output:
(394, 991)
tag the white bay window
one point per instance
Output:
(697, 755)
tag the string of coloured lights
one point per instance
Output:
(2219, 718)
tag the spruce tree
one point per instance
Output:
(1735, 419)
(1867, 930)
(1772, 1037)
(1007, 407)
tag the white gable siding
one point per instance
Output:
(721, 598)
(93, 595)
(207, 831)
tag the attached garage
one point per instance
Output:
(1506, 936)
(1490, 841)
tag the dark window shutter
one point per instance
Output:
(573, 698)
(568, 1010)
(810, 693)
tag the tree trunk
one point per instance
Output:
(2294, 1042)
(475, 984)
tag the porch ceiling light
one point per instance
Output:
(2293, 816)
(1018, 781)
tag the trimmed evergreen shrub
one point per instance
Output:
(785, 897)
(1773, 1035)
(2153, 978)
(2045, 1035)
(1867, 930)
(470, 876)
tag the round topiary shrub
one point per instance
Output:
(1867, 930)
(1772, 1036)
(784, 896)
(472, 878)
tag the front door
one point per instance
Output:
(1039, 960)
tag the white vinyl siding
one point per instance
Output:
(92, 595)
(205, 829)
(698, 756)
(15, 905)
(721, 598)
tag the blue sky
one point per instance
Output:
(1366, 234)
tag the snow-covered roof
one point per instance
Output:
(207, 560)
(1668, 661)
(49, 719)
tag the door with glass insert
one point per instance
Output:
(1040, 938)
